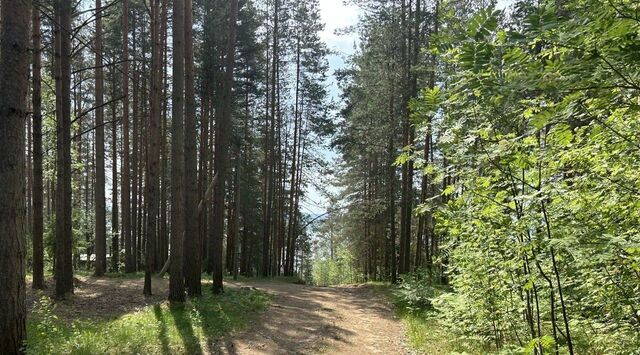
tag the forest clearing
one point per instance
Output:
(320, 177)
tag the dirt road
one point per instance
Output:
(311, 320)
(301, 319)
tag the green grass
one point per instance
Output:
(193, 327)
(284, 279)
(111, 275)
(428, 336)
(426, 333)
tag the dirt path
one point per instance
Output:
(311, 320)
(300, 320)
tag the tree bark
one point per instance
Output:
(100, 205)
(135, 177)
(126, 166)
(153, 149)
(14, 68)
(193, 264)
(38, 218)
(64, 236)
(222, 155)
(164, 234)
(176, 281)
(115, 237)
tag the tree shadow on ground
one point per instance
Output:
(103, 297)
(162, 332)
(295, 323)
(182, 318)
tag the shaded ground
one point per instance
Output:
(332, 320)
(300, 320)
(104, 298)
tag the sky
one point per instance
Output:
(336, 15)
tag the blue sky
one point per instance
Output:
(337, 15)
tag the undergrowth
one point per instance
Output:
(426, 333)
(193, 327)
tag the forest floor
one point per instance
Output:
(299, 319)
(335, 320)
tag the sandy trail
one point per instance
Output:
(311, 320)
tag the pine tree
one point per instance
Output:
(223, 128)
(14, 71)
(176, 283)
(126, 150)
(192, 265)
(38, 218)
(63, 266)
(153, 150)
(100, 204)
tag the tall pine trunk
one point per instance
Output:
(115, 234)
(176, 281)
(153, 149)
(14, 67)
(221, 163)
(100, 204)
(64, 266)
(126, 163)
(193, 263)
(38, 219)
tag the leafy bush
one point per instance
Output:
(416, 291)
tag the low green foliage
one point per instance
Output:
(415, 292)
(426, 332)
(334, 267)
(285, 279)
(112, 275)
(193, 327)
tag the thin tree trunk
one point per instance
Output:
(164, 235)
(38, 219)
(135, 177)
(126, 167)
(294, 172)
(222, 145)
(153, 150)
(203, 169)
(236, 218)
(193, 264)
(100, 204)
(176, 281)
(392, 204)
(115, 237)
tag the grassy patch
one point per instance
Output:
(193, 327)
(112, 275)
(426, 333)
(284, 279)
